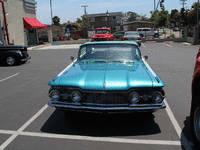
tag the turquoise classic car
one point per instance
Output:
(108, 77)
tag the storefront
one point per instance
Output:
(30, 30)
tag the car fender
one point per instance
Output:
(11, 53)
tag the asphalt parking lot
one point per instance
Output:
(28, 123)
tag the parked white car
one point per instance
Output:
(132, 36)
(143, 32)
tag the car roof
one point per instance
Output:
(110, 42)
(102, 29)
(131, 31)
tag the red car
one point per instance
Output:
(195, 106)
(102, 34)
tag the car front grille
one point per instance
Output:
(100, 39)
(105, 98)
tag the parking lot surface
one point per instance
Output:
(27, 122)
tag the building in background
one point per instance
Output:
(132, 26)
(56, 31)
(111, 20)
(22, 22)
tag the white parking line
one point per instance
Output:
(90, 138)
(9, 140)
(167, 44)
(9, 77)
(143, 45)
(178, 129)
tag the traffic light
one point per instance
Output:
(182, 13)
(170, 20)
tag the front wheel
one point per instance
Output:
(10, 61)
(141, 35)
(195, 121)
(156, 35)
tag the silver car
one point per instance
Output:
(133, 36)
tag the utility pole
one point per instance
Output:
(198, 13)
(183, 2)
(85, 8)
(183, 12)
(51, 12)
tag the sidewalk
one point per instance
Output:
(38, 46)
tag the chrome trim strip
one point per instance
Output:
(66, 68)
(132, 107)
(25, 59)
(151, 70)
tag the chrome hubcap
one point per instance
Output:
(10, 60)
(197, 123)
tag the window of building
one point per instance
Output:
(92, 19)
(104, 19)
(116, 17)
(116, 28)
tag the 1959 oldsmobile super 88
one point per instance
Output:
(108, 77)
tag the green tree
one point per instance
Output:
(56, 21)
(144, 18)
(73, 26)
(132, 16)
(192, 14)
(163, 17)
(173, 15)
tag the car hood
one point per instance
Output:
(106, 76)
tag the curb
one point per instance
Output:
(38, 46)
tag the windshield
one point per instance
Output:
(131, 33)
(110, 52)
(105, 31)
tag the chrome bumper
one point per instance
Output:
(25, 59)
(102, 108)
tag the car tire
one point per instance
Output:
(141, 35)
(10, 61)
(195, 121)
(156, 36)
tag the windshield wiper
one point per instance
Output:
(117, 61)
(121, 61)
(100, 61)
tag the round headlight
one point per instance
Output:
(54, 95)
(157, 96)
(134, 97)
(76, 96)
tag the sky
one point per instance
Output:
(70, 10)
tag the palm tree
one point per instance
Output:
(56, 20)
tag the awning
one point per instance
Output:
(33, 23)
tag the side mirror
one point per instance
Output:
(146, 57)
(72, 58)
